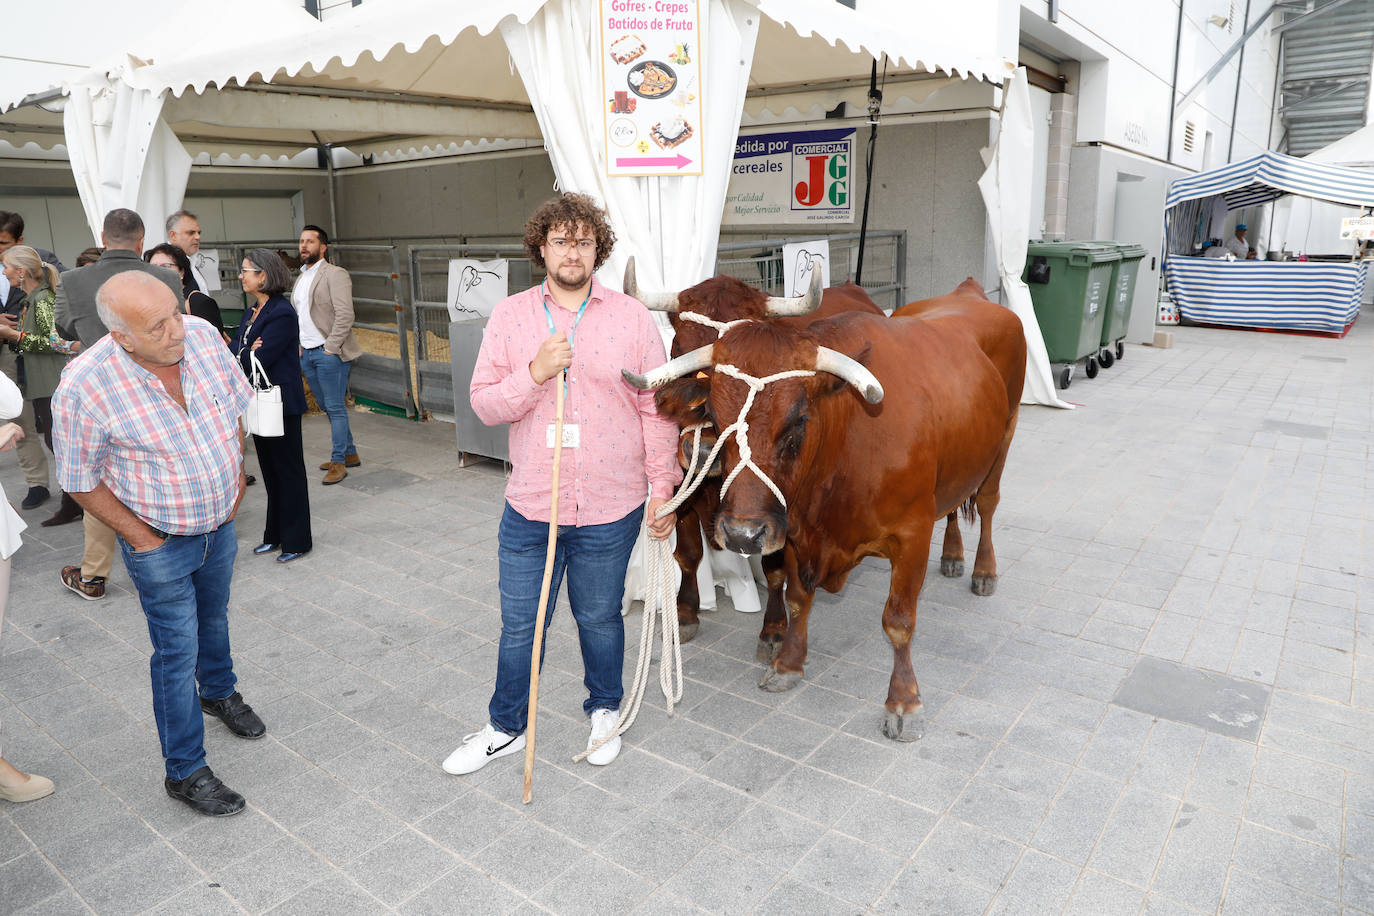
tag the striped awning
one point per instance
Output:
(1280, 295)
(1272, 175)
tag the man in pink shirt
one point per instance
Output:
(617, 451)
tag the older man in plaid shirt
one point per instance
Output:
(146, 427)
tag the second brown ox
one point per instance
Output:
(905, 420)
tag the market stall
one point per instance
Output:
(1315, 295)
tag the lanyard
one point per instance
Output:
(576, 321)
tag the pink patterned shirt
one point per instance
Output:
(114, 423)
(627, 450)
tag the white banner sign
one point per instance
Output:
(650, 69)
(798, 176)
(474, 287)
(1357, 227)
(800, 260)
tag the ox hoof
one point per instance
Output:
(685, 631)
(778, 681)
(768, 649)
(910, 727)
(951, 569)
(984, 585)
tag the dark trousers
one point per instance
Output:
(42, 419)
(282, 462)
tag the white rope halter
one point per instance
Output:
(720, 326)
(741, 426)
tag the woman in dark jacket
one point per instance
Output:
(271, 331)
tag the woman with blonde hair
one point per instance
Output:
(15, 784)
(42, 352)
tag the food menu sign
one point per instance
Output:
(650, 66)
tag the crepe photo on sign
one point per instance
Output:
(474, 287)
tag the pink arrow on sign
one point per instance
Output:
(680, 161)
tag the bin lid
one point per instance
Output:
(1080, 252)
(1131, 252)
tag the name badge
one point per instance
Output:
(572, 435)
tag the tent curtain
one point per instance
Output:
(1006, 193)
(670, 224)
(124, 155)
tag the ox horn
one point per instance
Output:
(654, 302)
(686, 364)
(784, 306)
(851, 370)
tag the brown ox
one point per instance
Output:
(865, 476)
(721, 300)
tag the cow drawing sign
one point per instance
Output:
(474, 287)
(651, 86)
(792, 177)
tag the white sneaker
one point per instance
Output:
(603, 724)
(480, 748)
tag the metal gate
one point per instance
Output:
(384, 374)
(757, 261)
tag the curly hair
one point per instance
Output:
(570, 210)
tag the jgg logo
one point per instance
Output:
(826, 181)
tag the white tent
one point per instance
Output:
(398, 76)
(1314, 226)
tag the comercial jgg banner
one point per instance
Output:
(798, 176)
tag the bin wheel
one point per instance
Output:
(1105, 357)
(1090, 370)
(1121, 349)
(1065, 377)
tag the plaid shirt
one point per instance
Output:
(114, 423)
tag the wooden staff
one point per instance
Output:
(540, 615)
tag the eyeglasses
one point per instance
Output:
(245, 270)
(563, 246)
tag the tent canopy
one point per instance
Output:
(1272, 175)
(263, 78)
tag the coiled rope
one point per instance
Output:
(660, 597)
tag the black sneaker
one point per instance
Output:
(203, 793)
(236, 714)
(36, 497)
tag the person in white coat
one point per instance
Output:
(15, 785)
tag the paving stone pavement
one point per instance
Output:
(1166, 708)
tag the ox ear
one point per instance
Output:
(684, 400)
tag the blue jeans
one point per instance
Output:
(327, 376)
(595, 558)
(184, 589)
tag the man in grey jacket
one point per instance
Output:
(76, 319)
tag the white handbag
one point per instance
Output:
(264, 414)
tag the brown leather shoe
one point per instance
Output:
(66, 513)
(335, 473)
(351, 460)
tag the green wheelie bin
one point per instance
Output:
(1071, 290)
(1119, 315)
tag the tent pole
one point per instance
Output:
(326, 155)
(875, 101)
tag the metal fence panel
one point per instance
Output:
(381, 373)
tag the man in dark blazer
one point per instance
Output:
(122, 236)
(76, 319)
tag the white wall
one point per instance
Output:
(1127, 57)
